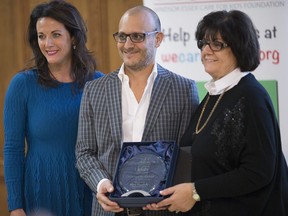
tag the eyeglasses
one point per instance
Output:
(134, 37)
(214, 45)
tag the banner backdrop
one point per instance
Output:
(179, 52)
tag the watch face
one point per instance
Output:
(142, 172)
(196, 197)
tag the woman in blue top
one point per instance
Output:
(41, 117)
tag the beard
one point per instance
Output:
(141, 60)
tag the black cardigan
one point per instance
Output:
(237, 161)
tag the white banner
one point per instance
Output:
(180, 54)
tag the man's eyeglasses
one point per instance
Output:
(134, 37)
(214, 45)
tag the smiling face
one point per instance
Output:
(137, 56)
(54, 41)
(218, 63)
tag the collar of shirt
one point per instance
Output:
(152, 76)
(225, 83)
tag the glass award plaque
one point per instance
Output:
(143, 173)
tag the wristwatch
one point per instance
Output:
(195, 195)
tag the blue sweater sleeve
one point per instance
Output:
(14, 147)
(98, 74)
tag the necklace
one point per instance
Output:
(198, 130)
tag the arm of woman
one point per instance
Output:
(15, 115)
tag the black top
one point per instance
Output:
(237, 161)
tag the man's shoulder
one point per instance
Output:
(103, 79)
(172, 74)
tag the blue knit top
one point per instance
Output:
(40, 126)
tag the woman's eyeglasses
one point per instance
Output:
(134, 37)
(214, 45)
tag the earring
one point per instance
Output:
(74, 47)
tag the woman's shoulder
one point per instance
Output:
(251, 87)
(98, 74)
(22, 77)
(21, 83)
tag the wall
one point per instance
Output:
(102, 21)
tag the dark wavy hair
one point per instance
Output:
(83, 63)
(237, 30)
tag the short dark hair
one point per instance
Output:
(237, 30)
(83, 63)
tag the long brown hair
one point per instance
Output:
(83, 63)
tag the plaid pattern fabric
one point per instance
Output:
(173, 101)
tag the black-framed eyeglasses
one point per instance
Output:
(214, 45)
(135, 37)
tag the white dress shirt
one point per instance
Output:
(225, 83)
(134, 113)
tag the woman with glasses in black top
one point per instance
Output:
(237, 166)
